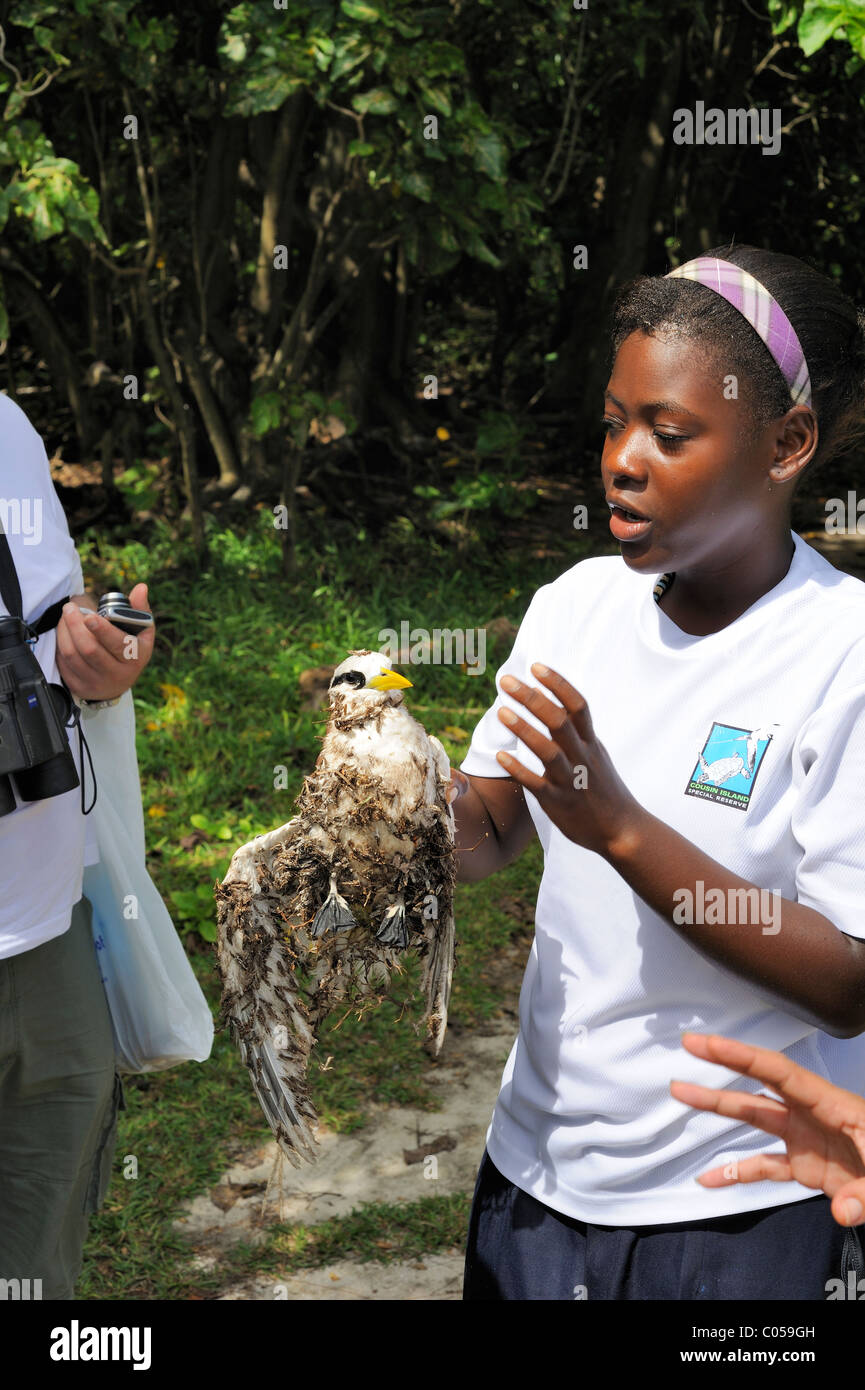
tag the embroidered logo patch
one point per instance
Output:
(728, 763)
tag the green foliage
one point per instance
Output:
(293, 410)
(48, 194)
(818, 21)
(482, 493)
(138, 485)
(194, 908)
(344, 60)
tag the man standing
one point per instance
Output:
(59, 1093)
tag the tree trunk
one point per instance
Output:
(616, 252)
(183, 424)
(214, 421)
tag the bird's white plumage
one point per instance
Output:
(361, 872)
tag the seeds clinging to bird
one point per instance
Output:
(322, 909)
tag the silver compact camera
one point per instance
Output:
(115, 607)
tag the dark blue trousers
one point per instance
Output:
(520, 1249)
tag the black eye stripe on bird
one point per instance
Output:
(330, 901)
(356, 678)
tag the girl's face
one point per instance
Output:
(679, 454)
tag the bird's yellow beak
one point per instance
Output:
(389, 680)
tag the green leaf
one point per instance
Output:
(348, 55)
(477, 247)
(235, 48)
(443, 236)
(184, 899)
(265, 412)
(488, 153)
(378, 102)
(816, 27)
(418, 185)
(356, 9)
(436, 97)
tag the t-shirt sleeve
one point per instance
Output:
(490, 734)
(43, 551)
(828, 819)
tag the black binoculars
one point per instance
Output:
(35, 758)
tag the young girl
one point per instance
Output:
(690, 751)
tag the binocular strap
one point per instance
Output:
(82, 748)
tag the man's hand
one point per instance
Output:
(97, 660)
(822, 1125)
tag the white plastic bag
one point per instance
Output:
(159, 1012)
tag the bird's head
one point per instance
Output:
(365, 681)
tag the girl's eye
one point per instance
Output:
(670, 441)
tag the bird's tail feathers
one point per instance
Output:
(437, 979)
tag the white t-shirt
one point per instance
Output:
(42, 843)
(584, 1120)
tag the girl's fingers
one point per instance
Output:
(758, 1168)
(572, 700)
(521, 774)
(761, 1112)
(557, 719)
(848, 1204)
(550, 753)
(795, 1083)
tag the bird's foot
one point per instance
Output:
(334, 913)
(393, 930)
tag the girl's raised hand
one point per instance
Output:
(822, 1125)
(580, 790)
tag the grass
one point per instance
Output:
(218, 715)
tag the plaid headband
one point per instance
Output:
(763, 313)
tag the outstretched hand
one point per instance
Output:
(580, 790)
(822, 1125)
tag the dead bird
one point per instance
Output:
(323, 909)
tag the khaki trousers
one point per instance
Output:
(59, 1098)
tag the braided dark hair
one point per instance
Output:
(829, 326)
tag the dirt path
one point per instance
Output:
(367, 1165)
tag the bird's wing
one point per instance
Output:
(439, 961)
(244, 861)
(260, 999)
(442, 761)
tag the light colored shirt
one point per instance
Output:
(751, 743)
(42, 843)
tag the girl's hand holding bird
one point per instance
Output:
(580, 789)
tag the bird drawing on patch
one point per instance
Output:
(323, 909)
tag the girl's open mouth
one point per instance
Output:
(625, 526)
